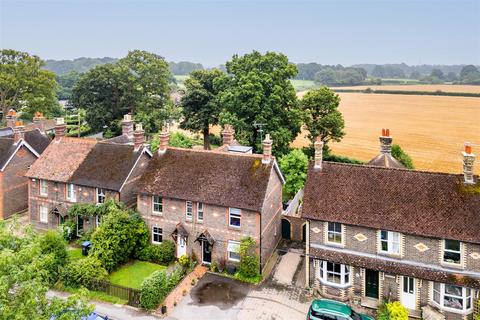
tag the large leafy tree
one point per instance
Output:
(26, 261)
(200, 105)
(257, 90)
(24, 85)
(294, 166)
(137, 84)
(321, 115)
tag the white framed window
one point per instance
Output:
(452, 252)
(43, 187)
(157, 235)
(390, 242)
(157, 204)
(233, 250)
(452, 298)
(234, 217)
(333, 274)
(189, 210)
(199, 211)
(43, 214)
(100, 195)
(71, 192)
(334, 233)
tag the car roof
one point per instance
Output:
(331, 306)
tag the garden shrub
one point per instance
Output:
(184, 261)
(163, 253)
(249, 261)
(392, 311)
(83, 272)
(54, 247)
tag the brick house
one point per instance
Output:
(18, 151)
(81, 170)
(376, 233)
(207, 201)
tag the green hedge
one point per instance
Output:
(411, 92)
(83, 272)
(163, 253)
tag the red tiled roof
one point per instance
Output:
(413, 202)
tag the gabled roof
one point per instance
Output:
(414, 202)
(33, 140)
(386, 160)
(220, 178)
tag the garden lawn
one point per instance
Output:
(132, 274)
(75, 254)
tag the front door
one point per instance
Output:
(79, 226)
(408, 293)
(181, 246)
(371, 283)
(206, 252)
(286, 227)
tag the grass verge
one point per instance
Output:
(132, 274)
(94, 295)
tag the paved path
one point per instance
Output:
(114, 312)
(286, 268)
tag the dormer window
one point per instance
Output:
(452, 252)
(100, 195)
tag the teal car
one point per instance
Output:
(324, 309)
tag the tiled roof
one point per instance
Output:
(34, 138)
(412, 202)
(122, 139)
(400, 268)
(386, 160)
(225, 179)
(7, 148)
(37, 140)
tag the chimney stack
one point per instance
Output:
(164, 137)
(60, 129)
(386, 142)
(228, 134)
(11, 118)
(318, 145)
(18, 132)
(127, 126)
(39, 121)
(468, 161)
(138, 137)
(267, 149)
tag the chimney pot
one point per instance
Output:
(386, 142)
(60, 129)
(318, 146)
(228, 134)
(138, 137)
(39, 121)
(468, 164)
(18, 132)
(11, 118)
(267, 149)
(127, 126)
(164, 137)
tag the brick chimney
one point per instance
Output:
(468, 161)
(386, 142)
(60, 129)
(11, 118)
(267, 149)
(318, 146)
(18, 132)
(39, 121)
(127, 126)
(138, 137)
(164, 137)
(228, 134)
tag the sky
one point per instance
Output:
(210, 32)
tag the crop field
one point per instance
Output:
(431, 129)
(420, 87)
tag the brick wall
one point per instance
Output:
(15, 184)
(215, 220)
(127, 195)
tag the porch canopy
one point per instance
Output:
(179, 230)
(60, 209)
(205, 236)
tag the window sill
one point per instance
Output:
(452, 310)
(334, 285)
(335, 244)
(156, 213)
(43, 195)
(156, 243)
(390, 254)
(452, 265)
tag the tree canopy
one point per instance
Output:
(200, 106)
(257, 90)
(294, 166)
(402, 156)
(321, 115)
(25, 86)
(138, 83)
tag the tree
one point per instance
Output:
(321, 115)
(437, 73)
(470, 74)
(257, 90)
(24, 280)
(66, 83)
(137, 84)
(451, 76)
(24, 85)
(415, 75)
(200, 105)
(249, 267)
(294, 166)
(402, 156)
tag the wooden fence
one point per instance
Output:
(129, 294)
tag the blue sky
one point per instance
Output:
(329, 32)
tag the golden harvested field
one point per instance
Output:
(431, 129)
(420, 87)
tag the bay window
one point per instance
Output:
(334, 274)
(390, 242)
(452, 297)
